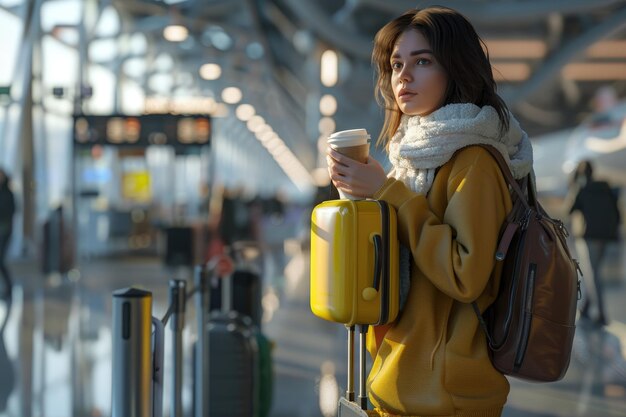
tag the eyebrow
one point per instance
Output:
(413, 53)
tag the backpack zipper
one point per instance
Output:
(528, 300)
(509, 233)
(509, 314)
(526, 219)
(528, 315)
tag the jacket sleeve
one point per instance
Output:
(455, 252)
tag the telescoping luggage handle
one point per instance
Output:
(362, 343)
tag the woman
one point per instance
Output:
(7, 209)
(434, 80)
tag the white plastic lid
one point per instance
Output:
(350, 137)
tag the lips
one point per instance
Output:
(405, 94)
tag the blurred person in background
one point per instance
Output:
(595, 220)
(7, 210)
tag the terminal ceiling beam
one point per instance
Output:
(488, 13)
(502, 11)
(204, 11)
(565, 54)
(322, 24)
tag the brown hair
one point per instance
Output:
(458, 49)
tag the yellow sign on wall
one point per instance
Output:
(136, 186)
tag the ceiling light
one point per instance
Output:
(175, 33)
(278, 150)
(328, 105)
(244, 112)
(273, 142)
(266, 136)
(210, 71)
(322, 144)
(327, 125)
(294, 170)
(329, 68)
(255, 122)
(231, 95)
(262, 130)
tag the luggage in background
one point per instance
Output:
(226, 375)
(265, 380)
(266, 374)
(233, 366)
(354, 262)
(240, 374)
(246, 296)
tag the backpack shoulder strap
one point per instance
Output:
(514, 185)
(508, 176)
(481, 320)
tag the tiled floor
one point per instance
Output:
(59, 341)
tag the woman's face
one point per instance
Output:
(418, 81)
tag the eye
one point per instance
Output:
(396, 65)
(422, 61)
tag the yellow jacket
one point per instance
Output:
(433, 360)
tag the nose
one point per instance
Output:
(405, 76)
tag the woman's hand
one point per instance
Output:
(353, 177)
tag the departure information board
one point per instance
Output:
(179, 131)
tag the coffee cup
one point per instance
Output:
(353, 143)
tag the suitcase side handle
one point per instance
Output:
(384, 261)
(381, 264)
(369, 293)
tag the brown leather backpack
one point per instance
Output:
(530, 326)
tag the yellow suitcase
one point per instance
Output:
(354, 262)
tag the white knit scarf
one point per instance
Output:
(422, 144)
